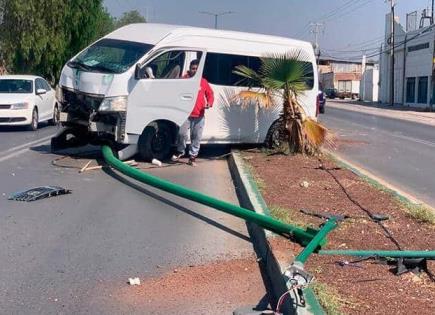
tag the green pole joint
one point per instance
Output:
(317, 240)
(301, 236)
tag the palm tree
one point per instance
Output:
(285, 76)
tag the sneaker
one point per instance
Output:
(192, 161)
(176, 157)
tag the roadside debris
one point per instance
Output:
(134, 281)
(305, 184)
(156, 162)
(39, 193)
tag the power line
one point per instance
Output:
(332, 12)
(429, 28)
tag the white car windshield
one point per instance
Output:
(16, 86)
(110, 56)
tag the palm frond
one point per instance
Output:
(250, 78)
(263, 99)
(314, 132)
(286, 70)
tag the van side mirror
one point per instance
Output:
(41, 91)
(138, 73)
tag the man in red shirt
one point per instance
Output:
(196, 119)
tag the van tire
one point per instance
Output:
(275, 135)
(156, 141)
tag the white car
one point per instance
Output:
(26, 100)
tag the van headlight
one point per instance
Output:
(23, 105)
(113, 104)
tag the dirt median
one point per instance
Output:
(291, 183)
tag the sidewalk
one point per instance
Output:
(397, 112)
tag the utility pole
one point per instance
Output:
(216, 15)
(392, 5)
(431, 13)
(316, 29)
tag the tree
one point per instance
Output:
(39, 36)
(130, 17)
(106, 24)
(284, 75)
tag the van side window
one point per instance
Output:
(168, 65)
(219, 69)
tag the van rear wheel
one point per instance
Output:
(156, 141)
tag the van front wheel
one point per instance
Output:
(155, 142)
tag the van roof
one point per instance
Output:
(152, 33)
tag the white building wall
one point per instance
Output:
(408, 64)
(369, 88)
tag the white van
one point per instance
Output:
(127, 88)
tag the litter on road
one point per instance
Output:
(39, 193)
(134, 281)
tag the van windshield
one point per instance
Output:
(110, 56)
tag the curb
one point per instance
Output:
(376, 181)
(272, 269)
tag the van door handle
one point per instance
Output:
(186, 97)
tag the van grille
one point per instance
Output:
(5, 106)
(85, 101)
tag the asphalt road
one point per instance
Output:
(398, 151)
(69, 254)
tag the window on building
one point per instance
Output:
(410, 90)
(219, 69)
(422, 90)
(418, 47)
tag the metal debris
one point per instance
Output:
(39, 193)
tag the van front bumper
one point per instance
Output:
(100, 126)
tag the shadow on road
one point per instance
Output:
(170, 203)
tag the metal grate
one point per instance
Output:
(39, 193)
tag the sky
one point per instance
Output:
(349, 26)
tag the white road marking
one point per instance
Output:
(24, 148)
(428, 143)
(27, 144)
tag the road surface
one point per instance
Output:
(70, 254)
(400, 152)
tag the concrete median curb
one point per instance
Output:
(272, 269)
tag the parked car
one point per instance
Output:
(26, 100)
(322, 101)
(331, 93)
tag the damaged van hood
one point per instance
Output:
(91, 82)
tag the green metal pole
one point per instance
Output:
(314, 244)
(430, 254)
(301, 236)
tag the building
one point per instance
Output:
(413, 65)
(342, 75)
(369, 86)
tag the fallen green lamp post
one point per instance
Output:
(301, 236)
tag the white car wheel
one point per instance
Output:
(34, 124)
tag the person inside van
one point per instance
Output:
(196, 120)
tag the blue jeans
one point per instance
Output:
(196, 126)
